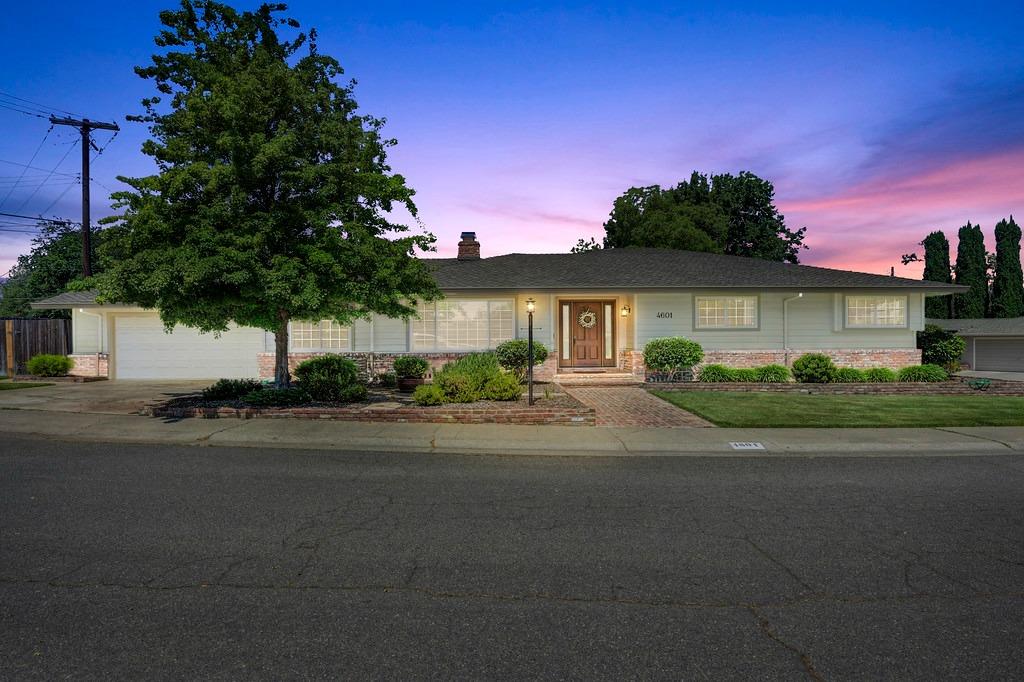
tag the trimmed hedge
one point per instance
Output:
(927, 373)
(276, 397)
(672, 354)
(814, 368)
(47, 365)
(331, 378)
(514, 356)
(231, 389)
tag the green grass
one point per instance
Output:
(14, 386)
(787, 410)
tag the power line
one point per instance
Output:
(24, 170)
(45, 170)
(29, 198)
(37, 218)
(28, 101)
(59, 197)
(4, 105)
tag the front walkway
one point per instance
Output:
(633, 406)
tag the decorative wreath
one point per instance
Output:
(587, 318)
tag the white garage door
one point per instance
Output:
(999, 355)
(143, 350)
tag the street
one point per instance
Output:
(145, 561)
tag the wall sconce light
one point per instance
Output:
(626, 310)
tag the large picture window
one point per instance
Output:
(462, 324)
(876, 312)
(726, 312)
(323, 335)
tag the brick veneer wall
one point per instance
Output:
(90, 365)
(861, 358)
(372, 364)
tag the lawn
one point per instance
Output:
(779, 409)
(13, 386)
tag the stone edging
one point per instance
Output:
(997, 387)
(442, 414)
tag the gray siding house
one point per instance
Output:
(594, 311)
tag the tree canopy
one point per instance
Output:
(273, 198)
(1008, 284)
(53, 263)
(937, 269)
(731, 214)
(971, 270)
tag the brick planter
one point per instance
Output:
(956, 387)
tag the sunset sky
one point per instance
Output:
(523, 121)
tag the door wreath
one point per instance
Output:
(587, 318)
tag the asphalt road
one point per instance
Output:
(153, 562)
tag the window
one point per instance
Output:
(323, 335)
(454, 324)
(726, 312)
(876, 311)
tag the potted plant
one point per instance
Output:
(411, 371)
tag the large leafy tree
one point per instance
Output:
(971, 270)
(53, 263)
(732, 214)
(937, 269)
(1008, 284)
(273, 197)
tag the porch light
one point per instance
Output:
(626, 310)
(531, 305)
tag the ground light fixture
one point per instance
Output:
(531, 306)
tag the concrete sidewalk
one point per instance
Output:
(506, 440)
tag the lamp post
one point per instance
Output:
(531, 305)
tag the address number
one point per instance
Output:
(665, 315)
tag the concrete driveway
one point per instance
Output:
(98, 397)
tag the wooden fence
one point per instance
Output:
(24, 339)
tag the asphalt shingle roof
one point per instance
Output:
(996, 326)
(69, 299)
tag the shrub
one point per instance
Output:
(411, 367)
(276, 397)
(331, 379)
(882, 375)
(672, 354)
(386, 380)
(941, 347)
(514, 356)
(772, 374)
(714, 374)
(744, 374)
(849, 375)
(814, 368)
(50, 365)
(458, 387)
(428, 394)
(502, 387)
(231, 389)
(922, 373)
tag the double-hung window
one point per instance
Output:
(323, 335)
(453, 324)
(725, 312)
(876, 312)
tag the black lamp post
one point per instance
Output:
(531, 305)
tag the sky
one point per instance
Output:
(523, 121)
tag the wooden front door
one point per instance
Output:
(587, 333)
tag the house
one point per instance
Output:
(993, 344)
(594, 310)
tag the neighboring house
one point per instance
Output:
(594, 310)
(993, 344)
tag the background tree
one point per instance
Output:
(272, 197)
(1008, 284)
(583, 245)
(53, 263)
(724, 214)
(937, 269)
(971, 270)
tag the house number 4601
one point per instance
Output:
(665, 315)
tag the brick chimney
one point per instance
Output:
(469, 247)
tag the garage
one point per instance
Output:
(143, 350)
(998, 355)
(994, 344)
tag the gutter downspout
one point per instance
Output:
(785, 325)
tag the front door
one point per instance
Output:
(587, 333)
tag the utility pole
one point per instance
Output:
(85, 126)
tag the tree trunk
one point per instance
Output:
(282, 378)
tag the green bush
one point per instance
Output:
(714, 374)
(231, 389)
(928, 373)
(411, 367)
(747, 375)
(386, 380)
(772, 374)
(428, 394)
(458, 387)
(330, 379)
(672, 354)
(814, 368)
(881, 375)
(849, 375)
(50, 365)
(276, 397)
(514, 356)
(502, 387)
(941, 347)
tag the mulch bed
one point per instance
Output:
(58, 380)
(388, 405)
(956, 386)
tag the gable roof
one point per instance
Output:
(655, 269)
(69, 299)
(993, 326)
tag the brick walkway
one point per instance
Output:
(633, 406)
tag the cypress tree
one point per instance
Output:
(937, 269)
(971, 270)
(1008, 286)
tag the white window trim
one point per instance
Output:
(320, 349)
(490, 342)
(697, 326)
(846, 312)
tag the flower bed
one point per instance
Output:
(956, 386)
(70, 379)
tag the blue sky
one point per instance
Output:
(523, 121)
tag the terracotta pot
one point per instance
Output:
(409, 384)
